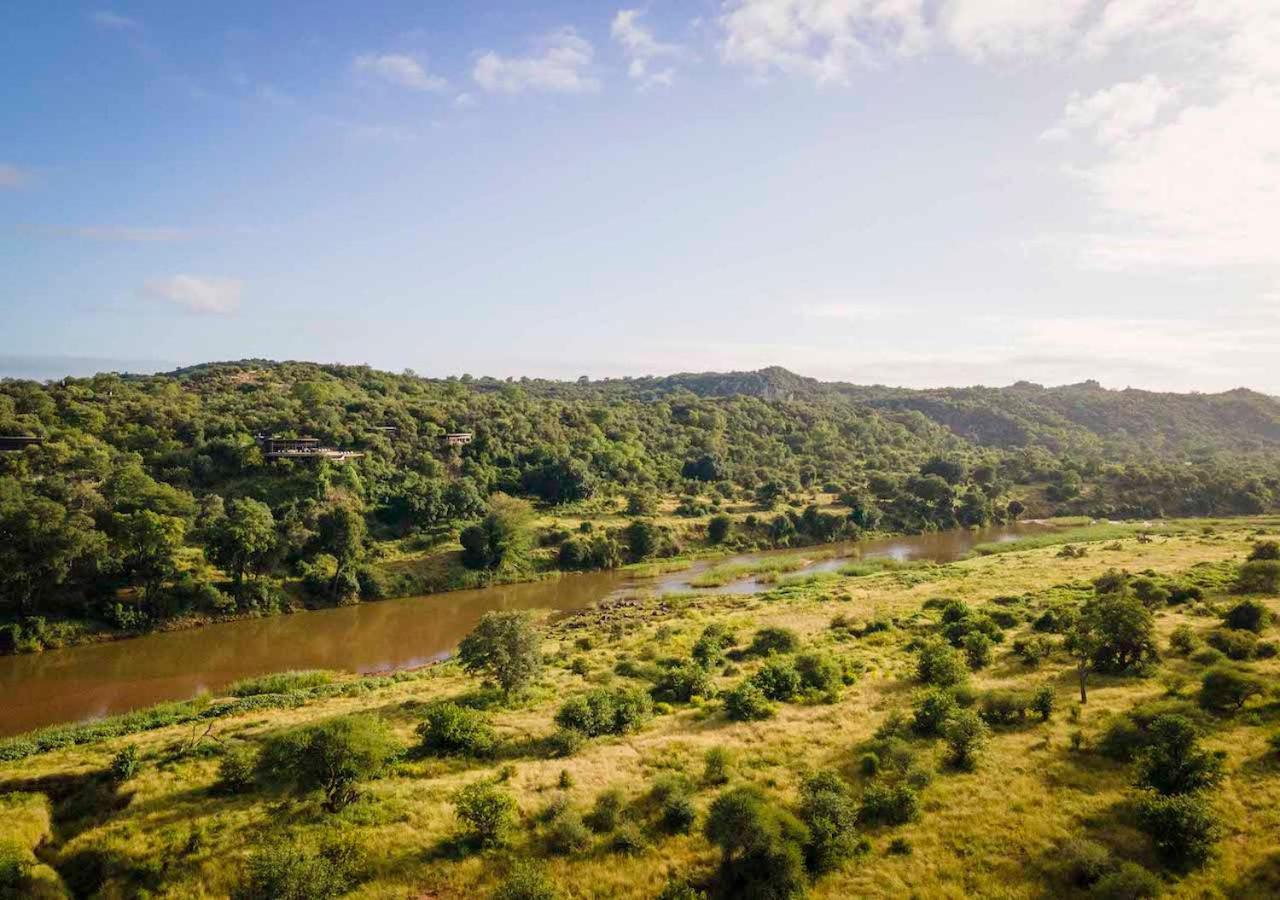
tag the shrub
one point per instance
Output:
(236, 771)
(607, 811)
(679, 889)
(940, 665)
(1259, 576)
(15, 868)
(526, 881)
(628, 841)
(1032, 651)
(1226, 689)
(932, 710)
(718, 528)
(1084, 862)
(1182, 827)
(290, 872)
(677, 815)
(1128, 882)
(761, 846)
(747, 703)
(1234, 644)
(819, 672)
(280, 683)
(977, 650)
(1172, 761)
(1183, 640)
(564, 742)
(884, 804)
(605, 711)
(966, 734)
(773, 640)
(716, 766)
(332, 756)
(778, 679)
(1247, 615)
(453, 730)
(1265, 550)
(682, 683)
(709, 648)
(828, 810)
(568, 835)
(125, 764)
(1005, 707)
(486, 812)
(506, 647)
(1042, 702)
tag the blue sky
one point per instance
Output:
(917, 192)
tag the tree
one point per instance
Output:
(1015, 509)
(1265, 550)
(340, 532)
(1120, 632)
(966, 734)
(1182, 827)
(1173, 762)
(643, 538)
(148, 545)
(1226, 689)
(828, 811)
(718, 528)
(1259, 576)
(333, 757)
(487, 812)
(42, 547)
(506, 647)
(501, 539)
(1249, 615)
(243, 541)
(940, 665)
(761, 846)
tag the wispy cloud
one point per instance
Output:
(398, 69)
(561, 64)
(128, 233)
(643, 49)
(198, 294)
(12, 176)
(106, 19)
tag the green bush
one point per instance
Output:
(1005, 707)
(607, 811)
(1248, 615)
(1259, 576)
(747, 703)
(1237, 645)
(236, 771)
(453, 730)
(1183, 640)
(829, 812)
(1173, 762)
(628, 841)
(1183, 827)
(966, 735)
(1227, 689)
(677, 815)
(709, 649)
(526, 881)
(1084, 862)
(506, 647)
(568, 835)
(932, 710)
(605, 711)
(1129, 881)
(287, 871)
(564, 742)
(679, 889)
(884, 804)
(977, 650)
(716, 766)
(682, 683)
(819, 672)
(768, 641)
(940, 665)
(15, 869)
(332, 757)
(778, 679)
(1042, 702)
(125, 764)
(487, 813)
(761, 846)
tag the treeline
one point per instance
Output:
(149, 497)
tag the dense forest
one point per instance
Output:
(149, 498)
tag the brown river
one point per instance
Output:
(93, 680)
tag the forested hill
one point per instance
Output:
(137, 479)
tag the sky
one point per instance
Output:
(907, 192)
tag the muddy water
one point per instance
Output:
(99, 679)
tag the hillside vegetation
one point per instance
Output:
(150, 503)
(918, 731)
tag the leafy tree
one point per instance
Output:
(940, 665)
(1182, 826)
(1260, 576)
(761, 846)
(487, 813)
(243, 541)
(340, 533)
(148, 544)
(1226, 689)
(501, 540)
(1173, 762)
(453, 730)
(1118, 630)
(828, 810)
(966, 735)
(506, 647)
(933, 709)
(747, 703)
(43, 545)
(718, 528)
(332, 757)
(1248, 615)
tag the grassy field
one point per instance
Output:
(995, 831)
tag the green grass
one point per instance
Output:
(1088, 534)
(765, 570)
(280, 683)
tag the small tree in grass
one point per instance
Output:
(487, 813)
(333, 757)
(506, 647)
(1173, 762)
(761, 846)
(1227, 689)
(966, 735)
(1183, 827)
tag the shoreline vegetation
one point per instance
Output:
(132, 504)
(851, 721)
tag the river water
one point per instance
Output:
(93, 680)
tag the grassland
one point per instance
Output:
(995, 831)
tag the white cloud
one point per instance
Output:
(398, 69)
(983, 28)
(12, 177)
(561, 64)
(464, 100)
(1115, 114)
(108, 19)
(218, 296)
(642, 48)
(820, 39)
